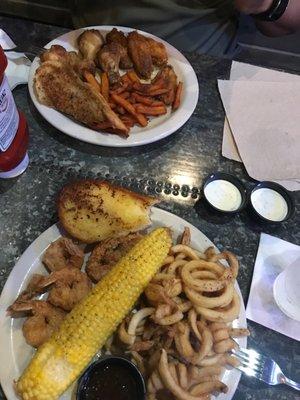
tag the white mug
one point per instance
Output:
(286, 290)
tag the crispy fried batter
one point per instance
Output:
(158, 52)
(43, 320)
(140, 53)
(107, 253)
(63, 253)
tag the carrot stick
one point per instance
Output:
(122, 88)
(125, 95)
(121, 110)
(130, 109)
(127, 121)
(142, 120)
(112, 105)
(133, 76)
(157, 103)
(142, 99)
(158, 91)
(151, 110)
(105, 85)
(92, 81)
(176, 102)
(125, 78)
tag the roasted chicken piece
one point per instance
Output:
(89, 43)
(158, 52)
(55, 53)
(119, 37)
(140, 53)
(59, 53)
(109, 58)
(58, 85)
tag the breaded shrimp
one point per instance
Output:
(34, 288)
(63, 253)
(44, 319)
(68, 287)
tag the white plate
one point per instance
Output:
(15, 353)
(157, 129)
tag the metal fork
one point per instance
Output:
(262, 368)
(30, 51)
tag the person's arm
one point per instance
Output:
(288, 23)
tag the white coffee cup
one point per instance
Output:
(286, 290)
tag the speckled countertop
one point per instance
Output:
(173, 169)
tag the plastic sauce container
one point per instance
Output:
(13, 130)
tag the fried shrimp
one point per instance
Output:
(43, 320)
(34, 288)
(107, 253)
(68, 287)
(63, 253)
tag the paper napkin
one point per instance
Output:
(247, 72)
(17, 70)
(265, 120)
(273, 256)
(5, 41)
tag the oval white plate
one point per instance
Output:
(158, 128)
(15, 354)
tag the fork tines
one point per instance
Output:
(252, 363)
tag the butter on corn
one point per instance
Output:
(60, 361)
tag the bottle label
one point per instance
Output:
(9, 116)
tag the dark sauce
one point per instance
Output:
(110, 382)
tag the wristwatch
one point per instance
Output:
(276, 11)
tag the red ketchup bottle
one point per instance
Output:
(13, 130)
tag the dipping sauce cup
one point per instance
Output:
(111, 378)
(224, 193)
(271, 202)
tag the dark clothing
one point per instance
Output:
(207, 26)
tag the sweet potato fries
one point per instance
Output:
(135, 102)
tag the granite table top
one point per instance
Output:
(173, 169)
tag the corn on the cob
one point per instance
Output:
(64, 356)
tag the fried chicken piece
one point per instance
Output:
(140, 53)
(167, 74)
(107, 253)
(59, 53)
(158, 52)
(57, 85)
(119, 37)
(109, 60)
(89, 43)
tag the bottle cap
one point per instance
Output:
(18, 170)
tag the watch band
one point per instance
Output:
(276, 11)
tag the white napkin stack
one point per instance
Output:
(273, 256)
(18, 64)
(262, 123)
